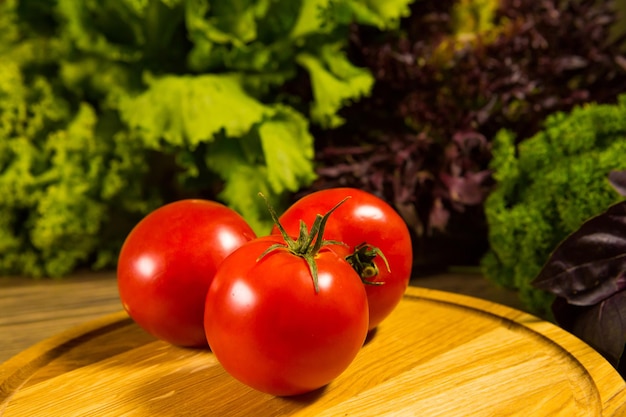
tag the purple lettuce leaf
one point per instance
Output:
(589, 265)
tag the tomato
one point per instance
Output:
(363, 218)
(272, 328)
(168, 261)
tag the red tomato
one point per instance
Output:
(363, 218)
(271, 330)
(168, 261)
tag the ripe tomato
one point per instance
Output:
(271, 330)
(363, 218)
(168, 261)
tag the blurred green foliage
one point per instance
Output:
(103, 103)
(547, 186)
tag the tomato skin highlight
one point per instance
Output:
(168, 262)
(269, 328)
(363, 218)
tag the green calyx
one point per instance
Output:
(362, 261)
(308, 243)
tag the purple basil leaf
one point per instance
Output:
(439, 215)
(602, 326)
(469, 139)
(618, 181)
(590, 264)
(467, 189)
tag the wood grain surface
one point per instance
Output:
(34, 309)
(438, 354)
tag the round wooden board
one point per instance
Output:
(438, 354)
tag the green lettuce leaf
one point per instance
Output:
(63, 175)
(232, 21)
(275, 157)
(325, 15)
(385, 14)
(215, 126)
(311, 19)
(83, 26)
(288, 150)
(219, 29)
(335, 81)
(187, 110)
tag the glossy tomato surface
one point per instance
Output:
(169, 260)
(271, 330)
(363, 218)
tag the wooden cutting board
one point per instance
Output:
(438, 354)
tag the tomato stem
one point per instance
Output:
(308, 243)
(362, 261)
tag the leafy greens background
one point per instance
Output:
(548, 186)
(454, 75)
(103, 103)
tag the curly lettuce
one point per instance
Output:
(547, 187)
(108, 110)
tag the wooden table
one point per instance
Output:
(438, 354)
(34, 309)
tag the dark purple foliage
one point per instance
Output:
(421, 141)
(587, 274)
(602, 326)
(590, 265)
